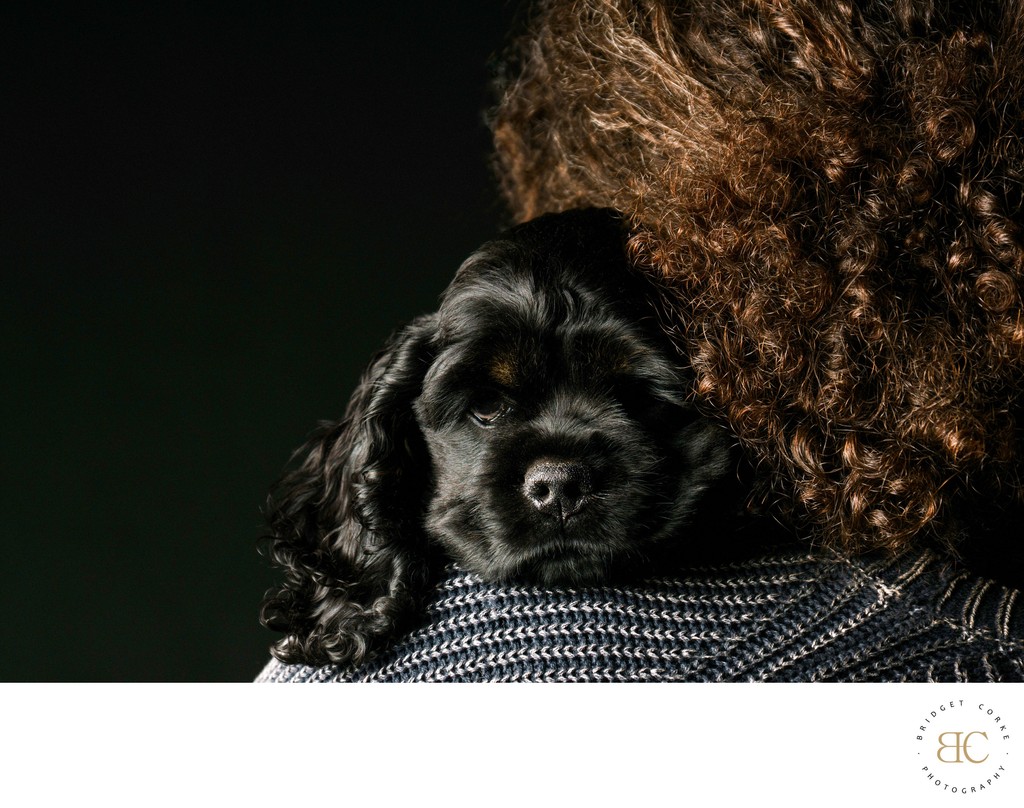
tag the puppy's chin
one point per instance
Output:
(568, 563)
(571, 559)
(566, 571)
(565, 564)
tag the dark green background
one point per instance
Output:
(209, 221)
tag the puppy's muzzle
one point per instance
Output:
(559, 489)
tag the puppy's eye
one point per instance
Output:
(489, 408)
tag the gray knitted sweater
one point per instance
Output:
(788, 616)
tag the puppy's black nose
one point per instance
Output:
(558, 488)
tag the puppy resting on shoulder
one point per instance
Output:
(537, 427)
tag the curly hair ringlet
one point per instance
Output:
(831, 192)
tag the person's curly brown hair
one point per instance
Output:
(832, 189)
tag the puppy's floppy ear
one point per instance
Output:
(345, 526)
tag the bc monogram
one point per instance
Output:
(961, 745)
(983, 750)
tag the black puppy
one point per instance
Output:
(537, 427)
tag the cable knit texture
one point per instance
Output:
(792, 616)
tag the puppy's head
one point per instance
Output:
(555, 415)
(536, 427)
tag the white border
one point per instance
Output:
(628, 746)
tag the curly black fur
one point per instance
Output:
(537, 427)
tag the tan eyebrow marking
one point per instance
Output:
(504, 370)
